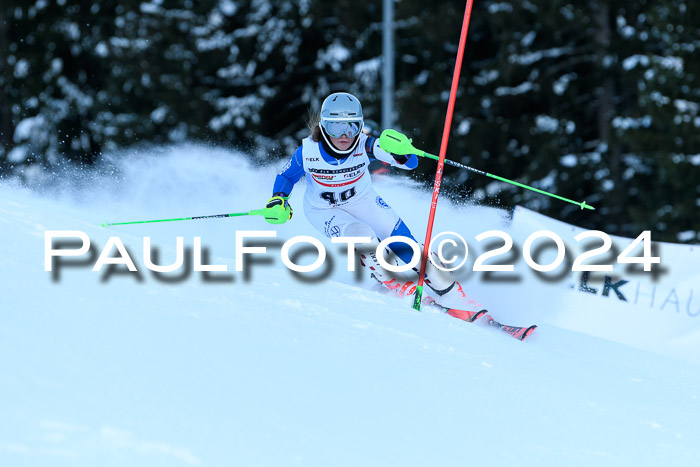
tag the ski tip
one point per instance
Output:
(464, 315)
(478, 315)
(528, 331)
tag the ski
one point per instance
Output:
(464, 315)
(518, 332)
(409, 288)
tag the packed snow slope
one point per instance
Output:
(115, 368)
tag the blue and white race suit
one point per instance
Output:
(339, 192)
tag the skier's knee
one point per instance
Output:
(358, 229)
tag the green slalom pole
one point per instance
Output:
(398, 143)
(273, 215)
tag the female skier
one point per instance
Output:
(340, 200)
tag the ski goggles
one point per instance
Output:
(338, 129)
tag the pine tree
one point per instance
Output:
(568, 97)
(595, 100)
(658, 123)
(50, 62)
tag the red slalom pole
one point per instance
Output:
(443, 152)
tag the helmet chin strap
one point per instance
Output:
(335, 149)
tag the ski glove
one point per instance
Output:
(278, 209)
(401, 159)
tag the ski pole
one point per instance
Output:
(443, 151)
(274, 215)
(398, 143)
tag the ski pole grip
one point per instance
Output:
(396, 142)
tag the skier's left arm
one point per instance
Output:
(375, 151)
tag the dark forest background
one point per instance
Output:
(594, 100)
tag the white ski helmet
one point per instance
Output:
(341, 114)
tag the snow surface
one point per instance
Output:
(116, 369)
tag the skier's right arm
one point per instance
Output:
(290, 174)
